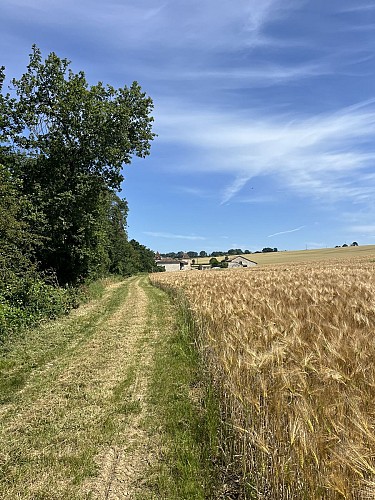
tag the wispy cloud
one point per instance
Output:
(260, 76)
(286, 232)
(173, 236)
(320, 156)
(364, 228)
(195, 191)
(359, 8)
(257, 199)
(233, 188)
(149, 21)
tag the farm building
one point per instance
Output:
(241, 262)
(173, 264)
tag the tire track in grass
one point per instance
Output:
(96, 416)
(78, 407)
(123, 465)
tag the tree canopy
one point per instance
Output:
(64, 143)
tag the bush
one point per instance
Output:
(25, 302)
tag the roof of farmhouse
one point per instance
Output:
(241, 258)
(169, 261)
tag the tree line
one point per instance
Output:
(63, 144)
(203, 253)
(232, 251)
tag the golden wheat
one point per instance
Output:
(292, 350)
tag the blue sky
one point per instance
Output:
(264, 110)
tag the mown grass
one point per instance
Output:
(73, 407)
(30, 349)
(185, 411)
(53, 423)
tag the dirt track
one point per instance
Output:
(75, 428)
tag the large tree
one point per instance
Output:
(66, 141)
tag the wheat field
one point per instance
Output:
(291, 350)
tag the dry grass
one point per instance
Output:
(292, 350)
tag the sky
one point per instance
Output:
(264, 112)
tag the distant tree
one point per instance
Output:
(202, 253)
(235, 251)
(247, 252)
(192, 254)
(115, 249)
(344, 245)
(171, 255)
(217, 254)
(214, 262)
(224, 264)
(275, 249)
(143, 257)
(180, 254)
(267, 250)
(337, 246)
(354, 244)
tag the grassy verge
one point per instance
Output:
(27, 302)
(185, 411)
(31, 349)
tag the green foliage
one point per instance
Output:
(144, 258)
(217, 254)
(192, 254)
(86, 129)
(24, 296)
(214, 262)
(74, 139)
(63, 143)
(235, 251)
(25, 302)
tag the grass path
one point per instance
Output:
(79, 417)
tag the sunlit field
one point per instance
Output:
(291, 349)
(294, 256)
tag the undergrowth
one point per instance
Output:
(26, 301)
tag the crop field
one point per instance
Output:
(291, 351)
(294, 256)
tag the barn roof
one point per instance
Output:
(170, 261)
(242, 258)
(167, 261)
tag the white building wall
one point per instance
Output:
(170, 267)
